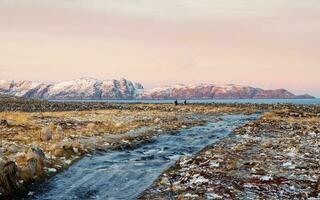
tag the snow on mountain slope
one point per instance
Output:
(83, 88)
(210, 91)
(90, 88)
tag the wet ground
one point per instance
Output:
(125, 174)
(276, 156)
(36, 145)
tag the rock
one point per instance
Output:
(46, 134)
(266, 144)
(91, 126)
(52, 126)
(9, 175)
(68, 147)
(312, 134)
(164, 181)
(2, 163)
(198, 180)
(58, 152)
(214, 196)
(4, 122)
(30, 193)
(13, 148)
(59, 129)
(79, 148)
(75, 150)
(192, 196)
(214, 164)
(35, 152)
(288, 165)
(52, 170)
(157, 120)
(57, 133)
(19, 156)
(35, 163)
(292, 152)
(29, 171)
(70, 150)
(68, 162)
(266, 178)
(175, 187)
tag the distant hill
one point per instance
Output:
(94, 89)
(211, 91)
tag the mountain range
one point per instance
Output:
(94, 89)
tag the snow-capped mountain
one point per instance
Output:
(83, 88)
(90, 88)
(211, 91)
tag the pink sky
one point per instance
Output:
(269, 44)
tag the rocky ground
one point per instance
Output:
(15, 104)
(40, 138)
(275, 157)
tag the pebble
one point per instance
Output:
(52, 170)
(68, 162)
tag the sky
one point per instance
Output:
(263, 43)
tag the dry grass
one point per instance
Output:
(74, 133)
(16, 118)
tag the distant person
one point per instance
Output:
(185, 102)
(176, 102)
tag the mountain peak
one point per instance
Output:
(92, 88)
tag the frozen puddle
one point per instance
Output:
(125, 174)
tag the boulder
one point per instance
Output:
(35, 152)
(29, 171)
(46, 134)
(35, 163)
(9, 175)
